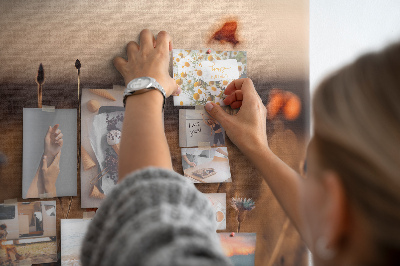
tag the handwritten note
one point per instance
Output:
(194, 128)
(219, 70)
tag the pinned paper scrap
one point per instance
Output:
(10, 201)
(204, 145)
(47, 108)
(199, 109)
(25, 262)
(45, 196)
(88, 215)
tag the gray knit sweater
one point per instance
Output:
(153, 217)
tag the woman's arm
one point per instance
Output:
(205, 122)
(247, 129)
(36, 188)
(44, 182)
(143, 141)
(184, 157)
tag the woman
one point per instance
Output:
(346, 208)
(217, 129)
(11, 250)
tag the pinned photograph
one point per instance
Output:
(102, 114)
(239, 247)
(197, 128)
(34, 241)
(72, 234)
(9, 221)
(49, 153)
(218, 201)
(206, 165)
(204, 74)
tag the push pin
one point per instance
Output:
(232, 234)
(208, 51)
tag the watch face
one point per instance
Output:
(140, 83)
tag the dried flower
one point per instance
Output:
(240, 204)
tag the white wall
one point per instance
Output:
(341, 30)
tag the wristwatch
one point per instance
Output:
(142, 85)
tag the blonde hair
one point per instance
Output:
(356, 115)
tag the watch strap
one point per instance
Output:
(153, 86)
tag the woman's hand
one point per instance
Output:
(246, 129)
(149, 58)
(50, 175)
(53, 142)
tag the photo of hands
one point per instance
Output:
(49, 153)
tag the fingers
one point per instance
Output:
(59, 136)
(119, 63)
(57, 159)
(60, 142)
(177, 92)
(146, 40)
(235, 99)
(48, 132)
(131, 49)
(218, 113)
(55, 127)
(163, 41)
(236, 105)
(44, 163)
(245, 85)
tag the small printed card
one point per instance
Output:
(240, 248)
(218, 201)
(197, 128)
(28, 233)
(204, 76)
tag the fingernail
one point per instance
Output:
(44, 157)
(179, 90)
(209, 106)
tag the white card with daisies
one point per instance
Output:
(203, 75)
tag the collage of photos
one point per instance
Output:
(49, 153)
(28, 233)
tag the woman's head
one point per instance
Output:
(356, 114)
(3, 226)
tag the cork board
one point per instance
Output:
(274, 35)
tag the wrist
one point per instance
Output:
(149, 99)
(50, 189)
(258, 149)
